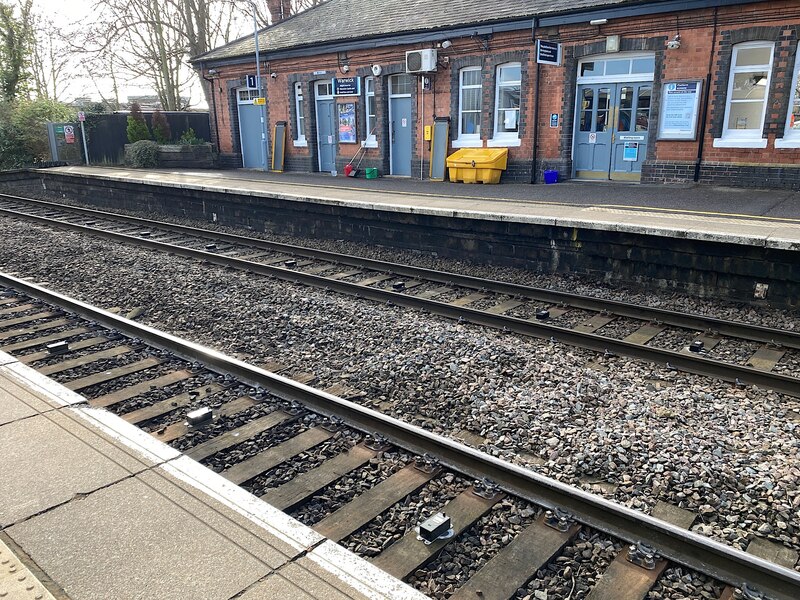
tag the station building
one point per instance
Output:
(652, 91)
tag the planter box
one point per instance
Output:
(191, 157)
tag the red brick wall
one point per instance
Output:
(700, 48)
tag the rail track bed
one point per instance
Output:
(366, 480)
(736, 352)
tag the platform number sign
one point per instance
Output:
(251, 81)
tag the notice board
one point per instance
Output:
(278, 146)
(680, 106)
(439, 142)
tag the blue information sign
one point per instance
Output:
(347, 86)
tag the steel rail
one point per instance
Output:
(708, 556)
(688, 362)
(735, 329)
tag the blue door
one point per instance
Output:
(592, 147)
(326, 125)
(611, 131)
(250, 130)
(400, 125)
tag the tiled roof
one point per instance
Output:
(339, 20)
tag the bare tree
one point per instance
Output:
(50, 60)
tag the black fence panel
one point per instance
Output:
(106, 134)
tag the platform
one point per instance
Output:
(93, 508)
(768, 218)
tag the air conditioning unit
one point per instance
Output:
(421, 61)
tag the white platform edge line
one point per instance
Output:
(361, 574)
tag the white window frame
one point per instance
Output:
(468, 140)
(746, 138)
(371, 140)
(791, 137)
(300, 141)
(505, 138)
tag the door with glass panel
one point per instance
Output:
(630, 137)
(611, 134)
(592, 146)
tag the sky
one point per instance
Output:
(69, 14)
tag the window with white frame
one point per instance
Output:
(300, 114)
(469, 104)
(369, 91)
(791, 135)
(746, 102)
(506, 102)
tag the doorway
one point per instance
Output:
(326, 125)
(250, 129)
(400, 125)
(612, 118)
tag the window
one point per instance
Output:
(469, 104)
(324, 89)
(247, 95)
(402, 85)
(638, 67)
(791, 135)
(369, 91)
(748, 86)
(507, 99)
(300, 115)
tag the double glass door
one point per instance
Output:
(611, 130)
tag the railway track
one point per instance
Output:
(681, 341)
(262, 429)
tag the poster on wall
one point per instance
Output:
(680, 105)
(347, 123)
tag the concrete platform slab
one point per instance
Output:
(16, 580)
(96, 553)
(50, 458)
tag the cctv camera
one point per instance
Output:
(345, 68)
(273, 75)
(674, 43)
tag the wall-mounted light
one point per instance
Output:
(598, 21)
(675, 42)
(446, 44)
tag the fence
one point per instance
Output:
(106, 134)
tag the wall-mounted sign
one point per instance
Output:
(680, 106)
(259, 101)
(252, 82)
(592, 138)
(553, 120)
(69, 134)
(347, 123)
(630, 152)
(548, 53)
(320, 72)
(347, 86)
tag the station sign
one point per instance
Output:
(347, 86)
(548, 53)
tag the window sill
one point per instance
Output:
(300, 143)
(740, 143)
(467, 143)
(504, 143)
(787, 143)
(369, 144)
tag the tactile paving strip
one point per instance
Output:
(16, 581)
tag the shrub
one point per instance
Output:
(142, 154)
(23, 130)
(189, 138)
(161, 129)
(137, 126)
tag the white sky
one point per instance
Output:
(69, 14)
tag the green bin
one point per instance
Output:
(371, 173)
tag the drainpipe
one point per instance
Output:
(706, 99)
(536, 103)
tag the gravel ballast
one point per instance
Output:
(727, 453)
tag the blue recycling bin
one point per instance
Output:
(551, 176)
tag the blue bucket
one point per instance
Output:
(551, 176)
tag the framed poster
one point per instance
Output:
(347, 122)
(680, 106)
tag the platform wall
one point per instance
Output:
(705, 268)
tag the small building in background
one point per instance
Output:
(660, 91)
